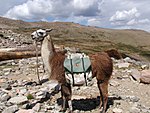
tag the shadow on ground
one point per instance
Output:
(88, 104)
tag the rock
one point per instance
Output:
(4, 97)
(6, 73)
(117, 103)
(10, 109)
(128, 59)
(114, 83)
(7, 69)
(77, 97)
(52, 85)
(76, 111)
(144, 66)
(123, 65)
(117, 110)
(26, 111)
(26, 106)
(145, 111)
(130, 98)
(18, 100)
(145, 76)
(2, 80)
(6, 86)
(37, 107)
(2, 107)
(23, 91)
(136, 74)
(133, 99)
(41, 94)
(135, 110)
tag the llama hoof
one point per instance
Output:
(102, 110)
(63, 110)
(69, 111)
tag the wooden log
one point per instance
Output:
(30, 48)
(17, 53)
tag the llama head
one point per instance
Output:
(40, 34)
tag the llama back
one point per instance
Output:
(103, 63)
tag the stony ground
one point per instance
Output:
(20, 93)
(19, 90)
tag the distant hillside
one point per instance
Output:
(88, 39)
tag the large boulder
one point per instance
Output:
(18, 100)
(145, 76)
(141, 76)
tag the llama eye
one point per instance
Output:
(41, 33)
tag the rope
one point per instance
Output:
(37, 61)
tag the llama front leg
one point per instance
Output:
(66, 96)
(63, 104)
(103, 88)
(70, 106)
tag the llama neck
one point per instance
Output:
(47, 52)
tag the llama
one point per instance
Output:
(101, 65)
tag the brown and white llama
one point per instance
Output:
(101, 65)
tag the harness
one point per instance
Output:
(77, 66)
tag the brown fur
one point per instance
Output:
(101, 65)
(101, 69)
(114, 53)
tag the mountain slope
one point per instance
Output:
(88, 39)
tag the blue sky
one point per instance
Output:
(116, 14)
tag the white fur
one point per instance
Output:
(45, 53)
(70, 105)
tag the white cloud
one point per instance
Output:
(144, 21)
(102, 13)
(94, 22)
(39, 9)
(131, 19)
(20, 10)
(5, 5)
(125, 15)
(134, 22)
(30, 10)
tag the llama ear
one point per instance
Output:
(49, 30)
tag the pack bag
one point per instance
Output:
(77, 69)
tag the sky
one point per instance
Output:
(114, 14)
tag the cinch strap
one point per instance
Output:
(84, 70)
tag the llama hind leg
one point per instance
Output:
(103, 88)
(66, 96)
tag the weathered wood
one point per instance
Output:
(30, 48)
(17, 55)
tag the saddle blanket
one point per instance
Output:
(77, 68)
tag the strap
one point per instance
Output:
(84, 70)
(72, 70)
